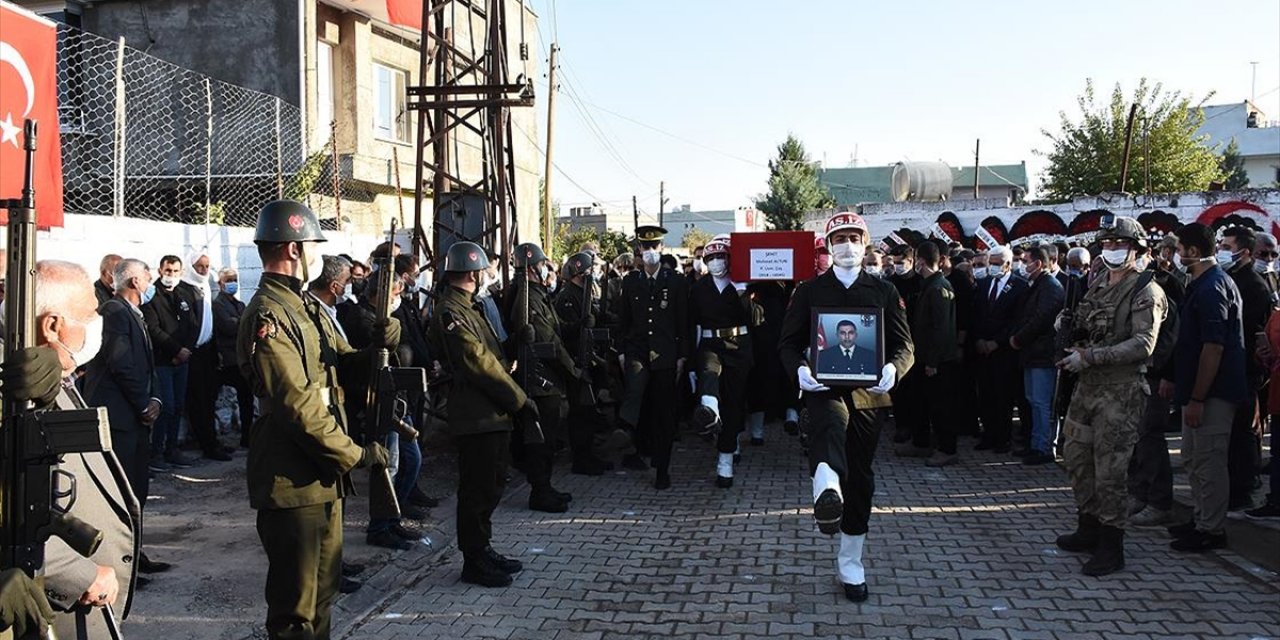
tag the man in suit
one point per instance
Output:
(845, 357)
(996, 302)
(227, 310)
(104, 287)
(173, 324)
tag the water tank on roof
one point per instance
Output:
(920, 181)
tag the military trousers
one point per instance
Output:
(845, 438)
(1101, 430)
(654, 391)
(536, 459)
(723, 368)
(482, 476)
(1150, 474)
(304, 567)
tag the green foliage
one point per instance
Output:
(216, 214)
(1086, 156)
(303, 183)
(695, 238)
(793, 187)
(570, 240)
(1232, 166)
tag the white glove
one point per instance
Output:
(807, 382)
(888, 376)
(1057, 323)
(1074, 362)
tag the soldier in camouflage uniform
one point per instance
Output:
(1113, 332)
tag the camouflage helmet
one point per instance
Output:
(579, 263)
(287, 221)
(1113, 227)
(529, 254)
(465, 256)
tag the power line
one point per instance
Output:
(678, 137)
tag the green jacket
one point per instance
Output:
(482, 395)
(289, 351)
(933, 323)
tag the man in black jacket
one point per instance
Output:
(409, 313)
(965, 391)
(173, 322)
(104, 287)
(1244, 454)
(1033, 339)
(908, 403)
(933, 333)
(227, 309)
(996, 301)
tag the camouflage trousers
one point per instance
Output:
(1101, 430)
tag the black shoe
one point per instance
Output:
(983, 445)
(900, 437)
(1108, 556)
(723, 482)
(178, 460)
(217, 454)
(419, 498)
(737, 457)
(1019, 452)
(635, 463)
(1240, 504)
(1179, 530)
(705, 422)
(352, 569)
(507, 565)
(589, 467)
(349, 586)
(1084, 538)
(827, 510)
(147, 565)
(547, 502)
(412, 512)
(791, 427)
(1198, 541)
(388, 540)
(757, 442)
(1266, 511)
(158, 465)
(663, 481)
(1036, 458)
(406, 533)
(482, 571)
(855, 592)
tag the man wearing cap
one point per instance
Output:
(652, 325)
(483, 400)
(299, 452)
(721, 313)
(1114, 331)
(845, 422)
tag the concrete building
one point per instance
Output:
(862, 185)
(684, 219)
(338, 61)
(1257, 138)
(601, 219)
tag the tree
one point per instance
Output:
(1086, 156)
(793, 187)
(1232, 166)
(570, 240)
(695, 238)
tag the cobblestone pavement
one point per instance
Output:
(961, 552)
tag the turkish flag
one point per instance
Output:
(29, 89)
(406, 13)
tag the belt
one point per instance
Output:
(731, 332)
(332, 396)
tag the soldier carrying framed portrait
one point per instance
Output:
(847, 346)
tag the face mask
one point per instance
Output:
(700, 266)
(349, 292)
(1115, 258)
(1021, 270)
(1262, 267)
(395, 304)
(1075, 273)
(1226, 259)
(148, 293)
(543, 272)
(718, 267)
(1142, 263)
(231, 288)
(900, 269)
(170, 282)
(92, 343)
(650, 256)
(356, 286)
(995, 271)
(875, 271)
(847, 255)
(314, 264)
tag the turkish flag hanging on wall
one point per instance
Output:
(406, 13)
(29, 89)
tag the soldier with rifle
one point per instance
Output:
(300, 454)
(579, 310)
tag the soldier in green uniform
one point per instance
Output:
(300, 452)
(547, 376)
(482, 400)
(1114, 330)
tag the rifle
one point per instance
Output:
(528, 359)
(586, 345)
(34, 508)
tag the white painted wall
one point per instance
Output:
(1263, 171)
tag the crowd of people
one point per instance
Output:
(1100, 346)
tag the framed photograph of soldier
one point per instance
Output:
(846, 348)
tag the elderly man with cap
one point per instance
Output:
(299, 452)
(653, 326)
(845, 422)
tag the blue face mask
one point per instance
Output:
(149, 293)
(231, 288)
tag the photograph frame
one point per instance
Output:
(858, 371)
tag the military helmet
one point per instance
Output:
(579, 263)
(529, 254)
(1113, 227)
(465, 256)
(287, 221)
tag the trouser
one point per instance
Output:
(582, 421)
(133, 449)
(482, 472)
(406, 463)
(231, 377)
(1204, 451)
(304, 566)
(1021, 438)
(537, 458)
(965, 394)
(1244, 451)
(1101, 430)
(996, 373)
(202, 394)
(1038, 383)
(845, 438)
(910, 413)
(936, 404)
(1150, 475)
(171, 387)
(724, 366)
(655, 426)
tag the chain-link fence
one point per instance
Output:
(145, 138)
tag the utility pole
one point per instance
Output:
(548, 221)
(635, 217)
(977, 145)
(1128, 140)
(662, 201)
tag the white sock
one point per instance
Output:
(712, 403)
(824, 477)
(792, 416)
(757, 424)
(724, 465)
(849, 562)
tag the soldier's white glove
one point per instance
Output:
(888, 376)
(1074, 362)
(807, 382)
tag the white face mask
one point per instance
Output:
(348, 293)
(1142, 263)
(900, 269)
(995, 271)
(700, 266)
(650, 256)
(1263, 267)
(1115, 258)
(718, 267)
(543, 272)
(847, 255)
(92, 343)
(395, 303)
(170, 282)
(875, 271)
(313, 263)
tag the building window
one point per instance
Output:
(390, 117)
(324, 92)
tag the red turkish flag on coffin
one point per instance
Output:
(29, 89)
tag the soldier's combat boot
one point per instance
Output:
(663, 480)
(478, 569)
(502, 562)
(706, 417)
(1108, 557)
(1084, 538)
(547, 501)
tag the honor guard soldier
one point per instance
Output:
(579, 310)
(653, 327)
(844, 424)
(300, 453)
(721, 312)
(1113, 333)
(535, 324)
(482, 400)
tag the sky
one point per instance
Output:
(698, 93)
